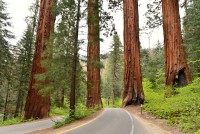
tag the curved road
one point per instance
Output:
(112, 121)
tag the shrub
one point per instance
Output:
(182, 109)
(80, 112)
(57, 111)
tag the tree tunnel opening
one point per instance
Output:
(180, 79)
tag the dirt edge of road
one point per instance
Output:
(70, 126)
(154, 125)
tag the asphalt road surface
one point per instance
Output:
(112, 121)
(29, 126)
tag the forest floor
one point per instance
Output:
(153, 124)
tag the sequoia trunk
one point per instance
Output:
(133, 90)
(38, 106)
(176, 67)
(93, 55)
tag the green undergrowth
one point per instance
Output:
(181, 109)
(117, 103)
(58, 111)
(55, 111)
(198, 132)
(12, 121)
(80, 112)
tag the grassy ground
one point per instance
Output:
(80, 112)
(182, 109)
(11, 121)
(55, 111)
(117, 103)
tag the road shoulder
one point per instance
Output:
(154, 125)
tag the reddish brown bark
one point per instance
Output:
(38, 106)
(133, 90)
(93, 56)
(176, 67)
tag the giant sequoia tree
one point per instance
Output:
(133, 91)
(38, 106)
(93, 55)
(176, 68)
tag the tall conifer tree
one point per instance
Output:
(133, 90)
(93, 55)
(38, 106)
(6, 57)
(176, 67)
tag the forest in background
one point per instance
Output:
(61, 57)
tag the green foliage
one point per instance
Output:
(147, 84)
(160, 79)
(106, 20)
(168, 92)
(80, 112)
(191, 36)
(11, 121)
(60, 49)
(7, 59)
(107, 103)
(112, 75)
(154, 14)
(198, 132)
(4, 22)
(58, 111)
(25, 49)
(182, 109)
(153, 65)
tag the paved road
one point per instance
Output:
(29, 126)
(113, 121)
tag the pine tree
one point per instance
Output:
(24, 67)
(191, 35)
(112, 76)
(66, 80)
(62, 51)
(6, 57)
(152, 63)
(5, 34)
(25, 56)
